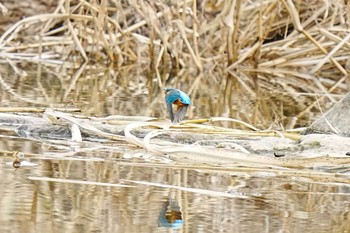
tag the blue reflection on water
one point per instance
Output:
(171, 215)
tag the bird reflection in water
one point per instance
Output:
(170, 215)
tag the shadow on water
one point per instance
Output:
(66, 188)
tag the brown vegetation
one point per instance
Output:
(272, 55)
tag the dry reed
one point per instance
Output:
(277, 49)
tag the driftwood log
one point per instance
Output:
(190, 143)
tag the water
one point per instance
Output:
(240, 201)
(55, 190)
(101, 91)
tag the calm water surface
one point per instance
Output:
(241, 201)
(159, 197)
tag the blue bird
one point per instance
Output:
(178, 98)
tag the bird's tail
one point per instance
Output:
(170, 111)
(180, 114)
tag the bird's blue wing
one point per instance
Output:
(172, 95)
(175, 94)
(184, 98)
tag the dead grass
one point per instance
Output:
(282, 49)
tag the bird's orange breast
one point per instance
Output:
(179, 104)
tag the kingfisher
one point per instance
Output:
(178, 98)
